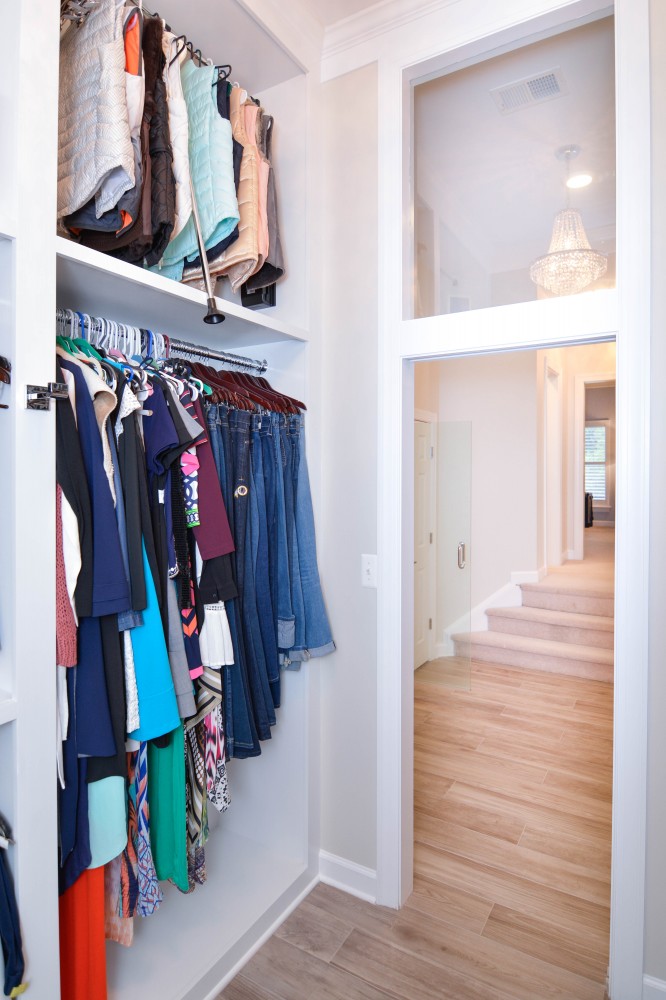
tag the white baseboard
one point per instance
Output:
(571, 554)
(653, 989)
(348, 876)
(528, 575)
(250, 945)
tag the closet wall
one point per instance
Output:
(349, 679)
(264, 854)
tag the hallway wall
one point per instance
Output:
(349, 480)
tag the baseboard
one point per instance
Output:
(571, 554)
(348, 876)
(653, 989)
(528, 576)
(221, 974)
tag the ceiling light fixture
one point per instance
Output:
(570, 264)
(579, 181)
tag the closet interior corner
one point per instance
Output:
(259, 855)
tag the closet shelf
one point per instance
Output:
(100, 285)
(8, 707)
(7, 226)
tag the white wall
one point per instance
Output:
(497, 393)
(655, 883)
(348, 526)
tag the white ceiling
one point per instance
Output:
(493, 178)
(330, 11)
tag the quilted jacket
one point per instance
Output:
(179, 131)
(95, 156)
(153, 227)
(273, 266)
(242, 257)
(211, 170)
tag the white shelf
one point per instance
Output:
(8, 707)
(184, 942)
(95, 283)
(7, 226)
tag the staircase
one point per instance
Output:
(559, 628)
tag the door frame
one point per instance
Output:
(427, 417)
(578, 478)
(624, 314)
(552, 493)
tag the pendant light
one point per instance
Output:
(570, 264)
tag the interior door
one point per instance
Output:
(423, 541)
(452, 666)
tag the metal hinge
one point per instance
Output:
(38, 397)
(432, 452)
(431, 537)
(429, 623)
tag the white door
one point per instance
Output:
(553, 468)
(423, 540)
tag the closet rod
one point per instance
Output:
(94, 325)
(230, 359)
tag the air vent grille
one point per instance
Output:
(531, 90)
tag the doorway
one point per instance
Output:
(513, 775)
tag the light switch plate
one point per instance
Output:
(369, 571)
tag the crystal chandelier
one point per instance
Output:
(570, 264)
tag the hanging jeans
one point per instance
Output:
(313, 634)
(10, 930)
(244, 516)
(260, 553)
(239, 729)
(285, 614)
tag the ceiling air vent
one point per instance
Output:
(533, 89)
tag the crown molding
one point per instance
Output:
(293, 26)
(387, 15)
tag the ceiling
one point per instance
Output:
(493, 178)
(330, 11)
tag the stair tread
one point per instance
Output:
(571, 619)
(603, 589)
(540, 647)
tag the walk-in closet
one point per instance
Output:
(314, 103)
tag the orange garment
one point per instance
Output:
(82, 948)
(133, 46)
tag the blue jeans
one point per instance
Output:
(314, 637)
(239, 729)
(285, 614)
(246, 533)
(262, 578)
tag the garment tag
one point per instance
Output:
(160, 496)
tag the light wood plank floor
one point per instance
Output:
(512, 859)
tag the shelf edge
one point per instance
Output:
(8, 707)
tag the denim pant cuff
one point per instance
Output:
(306, 654)
(286, 632)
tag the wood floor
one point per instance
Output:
(512, 859)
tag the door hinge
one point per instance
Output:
(38, 397)
(432, 451)
(431, 537)
(429, 623)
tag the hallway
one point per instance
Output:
(512, 849)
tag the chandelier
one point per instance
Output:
(570, 264)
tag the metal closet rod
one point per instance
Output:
(230, 359)
(182, 346)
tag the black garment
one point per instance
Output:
(158, 203)
(128, 460)
(71, 475)
(114, 671)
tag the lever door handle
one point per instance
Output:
(461, 555)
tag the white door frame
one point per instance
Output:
(552, 494)
(578, 478)
(427, 417)
(477, 26)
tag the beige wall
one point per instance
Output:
(349, 476)
(655, 946)
(497, 393)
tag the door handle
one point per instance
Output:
(461, 555)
